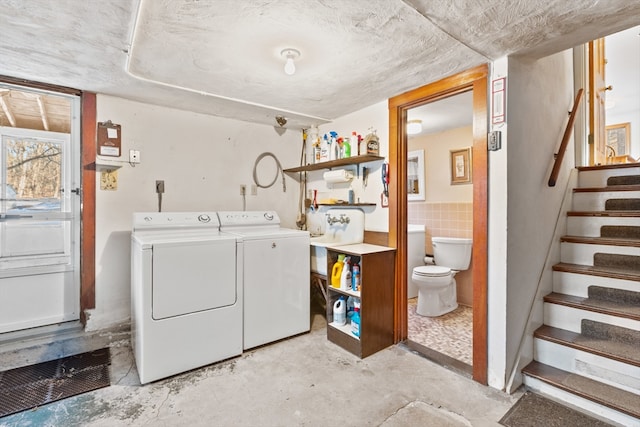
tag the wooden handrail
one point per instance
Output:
(565, 140)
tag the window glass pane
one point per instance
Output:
(33, 174)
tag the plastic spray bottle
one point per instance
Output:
(347, 148)
(324, 149)
(355, 277)
(333, 146)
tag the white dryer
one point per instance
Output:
(186, 296)
(275, 273)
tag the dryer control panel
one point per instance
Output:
(161, 220)
(248, 218)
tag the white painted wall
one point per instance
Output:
(203, 160)
(437, 164)
(539, 95)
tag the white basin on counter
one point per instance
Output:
(337, 232)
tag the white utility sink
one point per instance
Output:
(343, 227)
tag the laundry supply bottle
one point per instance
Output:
(355, 277)
(350, 301)
(345, 278)
(334, 149)
(340, 311)
(324, 149)
(336, 271)
(347, 148)
(355, 319)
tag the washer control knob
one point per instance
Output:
(204, 218)
(268, 216)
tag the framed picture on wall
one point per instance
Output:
(618, 138)
(415, 175)
(461, 166)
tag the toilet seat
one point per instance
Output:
(432, 271)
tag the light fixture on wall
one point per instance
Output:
(414, 127)
(290, 54)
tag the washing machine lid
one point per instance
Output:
(146, 239)
(432, 271)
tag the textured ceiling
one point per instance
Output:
(223, 57)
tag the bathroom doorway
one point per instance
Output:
(440, 204)
(474, 81)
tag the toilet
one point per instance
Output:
(436, 284)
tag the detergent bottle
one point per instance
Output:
(355, 319)
(355, 278)
(324, 149)
(336, 271)
(350, 301)
(345, 278)
(347, 148)
(340, 312)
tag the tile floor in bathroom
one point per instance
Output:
(449, 334)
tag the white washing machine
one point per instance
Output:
(186, 296)
(275, 273)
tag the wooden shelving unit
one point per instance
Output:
(376, 299)
(335, 163)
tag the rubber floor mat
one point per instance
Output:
(35, 385)
(533, 410)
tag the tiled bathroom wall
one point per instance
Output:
(442, 219)
(446, 219)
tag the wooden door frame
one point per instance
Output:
(474, 79)
(88, 210)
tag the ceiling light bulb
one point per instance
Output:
(290, 66)
(290, 55)
(414, 127)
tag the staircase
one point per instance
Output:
(587, 352)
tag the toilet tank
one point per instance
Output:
(415, 254)
(452, 252)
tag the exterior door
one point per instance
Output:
(597, 90)
(39, 229)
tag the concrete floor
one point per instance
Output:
(302, 381)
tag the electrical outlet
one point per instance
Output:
(243, 189)
(134, 156)
(159, 187)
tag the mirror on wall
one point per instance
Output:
(415, 175)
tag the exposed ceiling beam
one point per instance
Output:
(43, 112)
(7, 110)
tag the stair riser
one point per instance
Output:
(598, 178)
(577, 284)
(571, 399)
(612, 372)
(595, 201)
(588, 226)
(569, 318)
(582, 253)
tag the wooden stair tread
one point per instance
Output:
(620, 351)
(609, 188)
(612, 214)
(614, 166)
(611, 308)
(604, 394)
(610, 241)
(615, 273)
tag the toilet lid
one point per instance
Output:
(432, 271)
